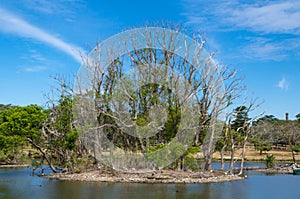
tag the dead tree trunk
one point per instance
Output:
(243, 155)
(294, 159)
(222, 157)
(232, 152)
(45, 156)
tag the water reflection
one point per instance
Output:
(17, 183)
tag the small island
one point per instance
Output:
(150, 115)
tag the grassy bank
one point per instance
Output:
(254, 155)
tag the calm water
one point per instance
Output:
(18, 183)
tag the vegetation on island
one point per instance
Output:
(49, 135)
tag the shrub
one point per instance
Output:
(270, 161)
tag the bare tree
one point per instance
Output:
(246, 129)
(238, 130)
(147, 87)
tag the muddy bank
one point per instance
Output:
(164, 176)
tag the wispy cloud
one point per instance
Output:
(278, 17)
(65, 9)
(269, 49)
(262, 16)
(35, 62)
(33, 56)
(283, 84)
(34, 68)
(46, 6)
(265, 30)
(10, 23)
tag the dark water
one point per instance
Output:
(18, 183)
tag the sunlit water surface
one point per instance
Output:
(19, 183)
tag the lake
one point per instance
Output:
(18, 183)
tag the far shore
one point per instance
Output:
(254, 155)
(14, 165)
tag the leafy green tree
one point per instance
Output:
(270, 161)
(241, 119)
(18, 125)
(260, 144)
(4, 107)
(59, 137)
(298, 117)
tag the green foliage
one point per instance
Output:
(157, 154)
(10, 147)
(241, 118)
(264, 148)
(71, 139)
(267, 118)
(296, 147)
(23, 121)
(191, 163)
(219, 144)
(16, 125)
(298, 117)
(36, 163)
(270, 161)
(260, 144)
(192, 150)
(4, 107)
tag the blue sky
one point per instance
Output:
(261, 39)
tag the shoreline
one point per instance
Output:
(162, 176)
(149, 177)
(14, 165)
(156, 176)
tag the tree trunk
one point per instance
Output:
(222, 157)
(196, 139)
(181, 163)
(294, 159)
(243, 155)
(44, 155)
(207, 164)
(147, 144)
(208, 152)
(231, 159)
(179, 166)
(142, 145)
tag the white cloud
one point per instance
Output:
(65, 9)
(46, 6)
(264, 30)
(35, 68)
(10, 23)
(283, 84)
(261, 16)
(270, 49)
(33, 56)
(280, 17)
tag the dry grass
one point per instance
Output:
(254, 155)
